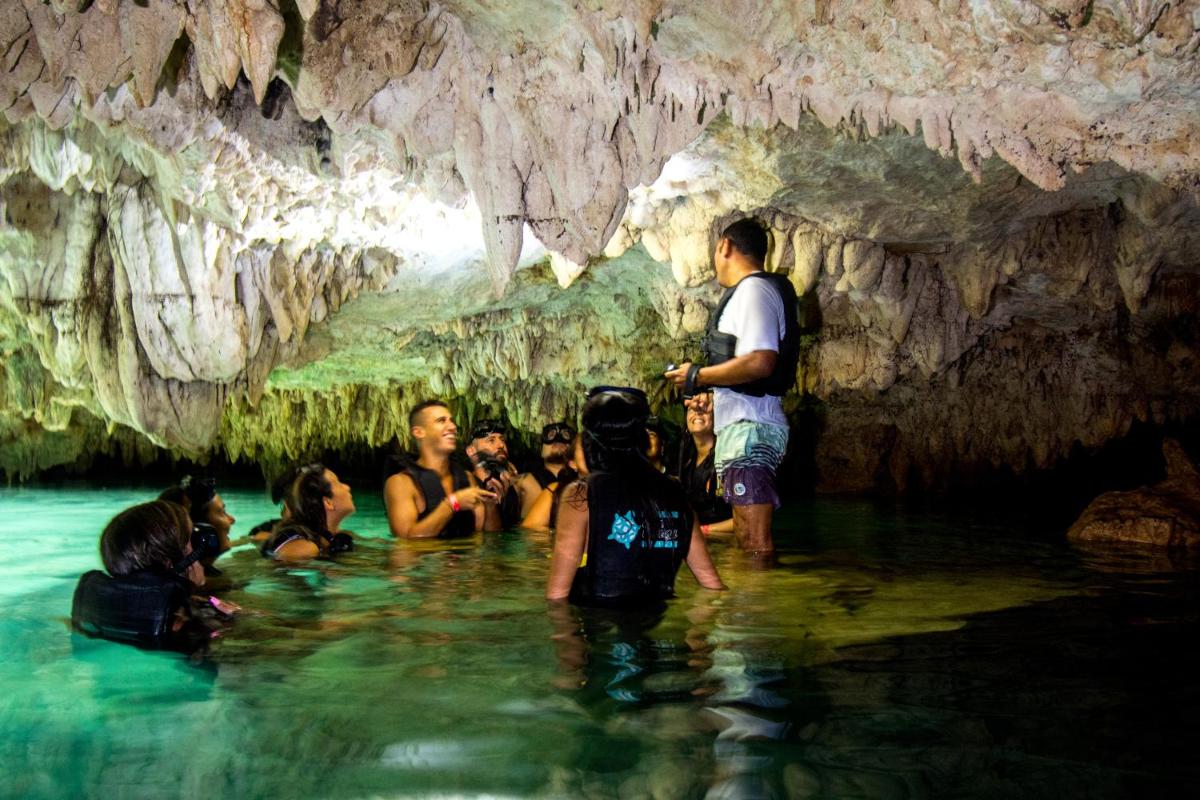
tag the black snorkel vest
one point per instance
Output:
(543, 476)
(462, 523)
(720, 347)
(138, 609)
(628, 564)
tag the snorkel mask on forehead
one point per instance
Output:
(487, 427)
(558, 432)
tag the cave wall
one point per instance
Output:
(268, 229)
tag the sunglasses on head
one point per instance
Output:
(558, 432)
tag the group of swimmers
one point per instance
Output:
(622, 525)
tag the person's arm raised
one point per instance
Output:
(570, 541)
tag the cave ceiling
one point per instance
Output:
(268, 228)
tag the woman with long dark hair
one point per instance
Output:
(623, 530)
(697, 468)
(317, 503)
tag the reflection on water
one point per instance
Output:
(887, 655)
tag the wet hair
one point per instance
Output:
(194, 494)
(281, 484)
(306, 498)
(200, 493)
(175, 494)
(414, 416)
(615, 442)
(614, 431)
(150, 536)
(749, 238)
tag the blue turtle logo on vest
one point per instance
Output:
(624, 529)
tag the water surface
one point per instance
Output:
(889, 654)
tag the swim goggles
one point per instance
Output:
(485, 428)
(558, 432)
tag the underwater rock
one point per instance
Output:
(1165, 516)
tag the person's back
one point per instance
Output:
(622, 532)
(144, 596)
(639, 532)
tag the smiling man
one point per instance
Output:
(431, 496)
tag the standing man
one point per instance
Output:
(752, 347)
(431, 496)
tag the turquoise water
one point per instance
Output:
(887, 655)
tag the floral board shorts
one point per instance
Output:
(747, 456)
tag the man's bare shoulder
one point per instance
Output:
(401, 482)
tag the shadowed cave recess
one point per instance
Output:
(242, 233)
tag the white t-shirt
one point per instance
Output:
(755, 316)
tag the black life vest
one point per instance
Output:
(720, 347)
(543, 476)
(630, 562)
(462, 523)
(699, 482)
(429, 483)
(137, 609)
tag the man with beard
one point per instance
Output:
(558, 440)
(488, 451)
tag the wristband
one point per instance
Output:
(691, 384)
(454, 504)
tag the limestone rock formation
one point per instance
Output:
(1165, 516)
(269, 227)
